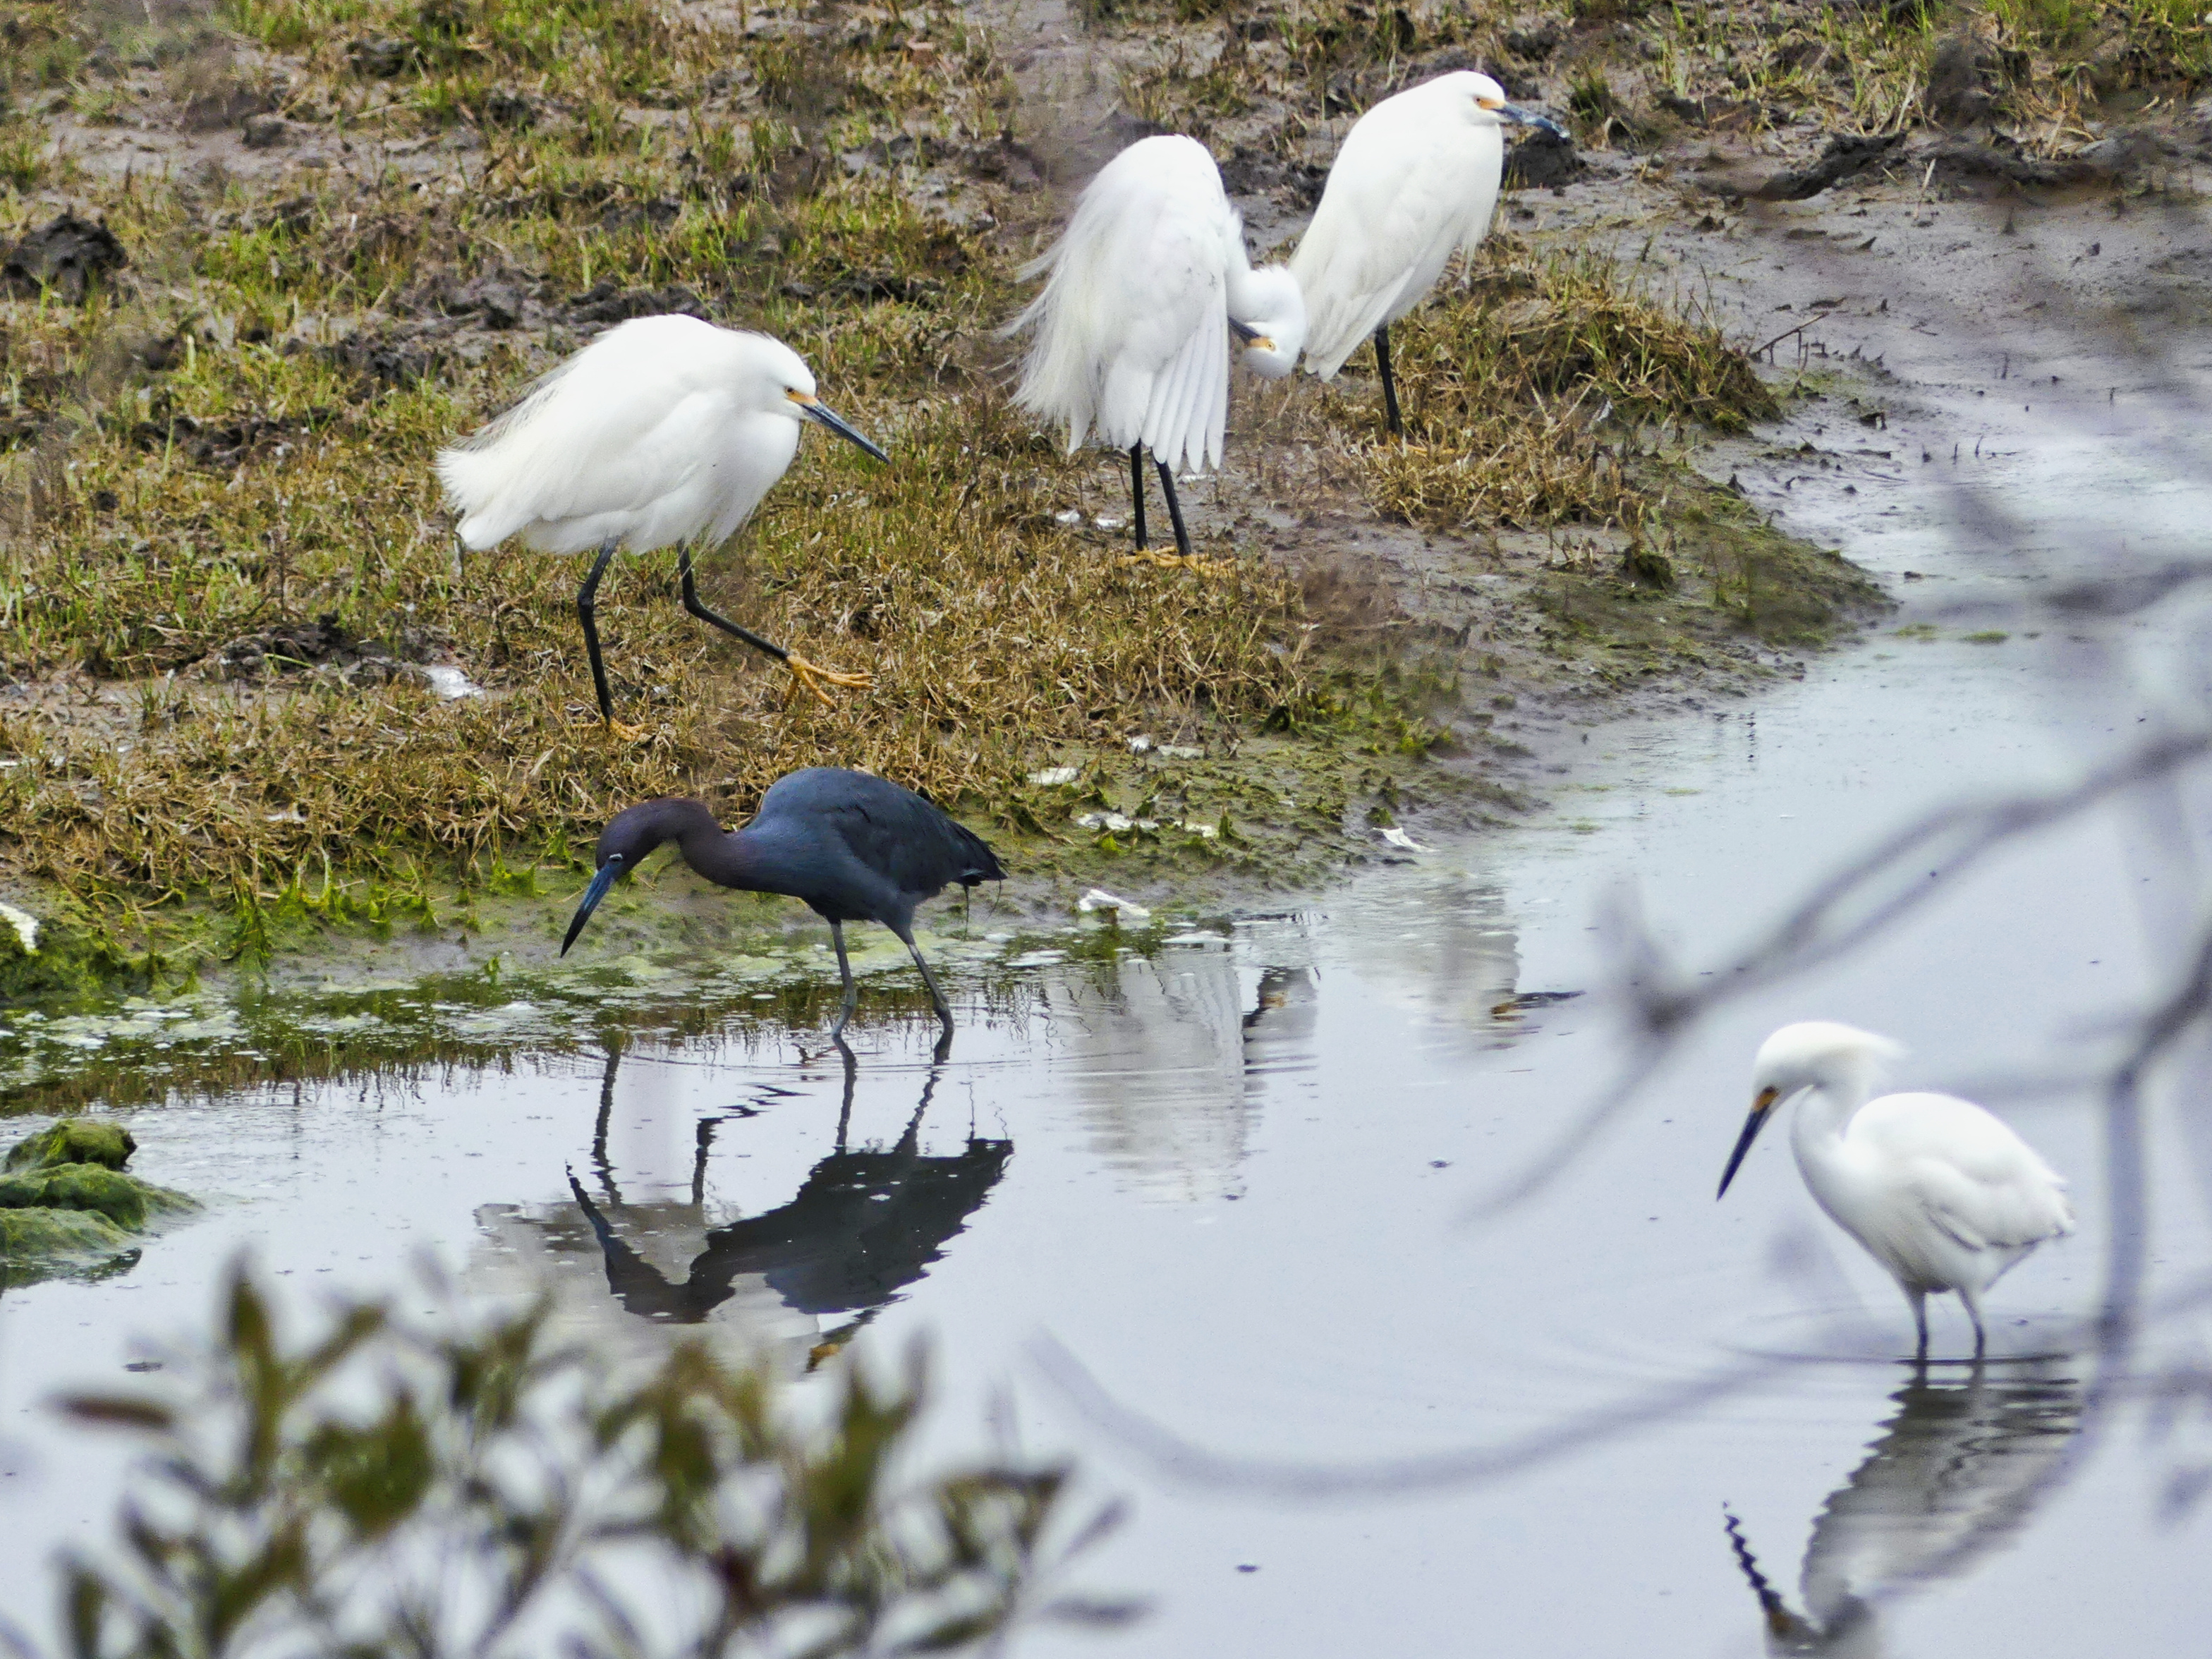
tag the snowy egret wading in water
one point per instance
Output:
(1416, 181)
(1142, 292)
(1942, 1194)
(663, 431)
(852, 846)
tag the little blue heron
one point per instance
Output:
(855, 847)
(1416, 180)
(1942, 1194)
(663, 431)
(1142, 291)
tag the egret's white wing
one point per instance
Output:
(598, 436)
(1396, 205)
(1977, 1181)
(1133, 313)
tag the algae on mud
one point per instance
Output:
(68, 1208)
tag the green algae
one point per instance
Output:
(67, 1207)
(73, 1141)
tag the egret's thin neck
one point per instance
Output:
(1825, 1111)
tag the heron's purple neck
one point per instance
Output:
(729, 857)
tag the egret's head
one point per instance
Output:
(1489, 108)
(1275, 331)
(785, 387)
(1813, 1053)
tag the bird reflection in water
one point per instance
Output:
(864, 1224)
(1956, 1474)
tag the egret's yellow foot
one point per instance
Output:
(622, 733)
(1198, 563)
(814, 677)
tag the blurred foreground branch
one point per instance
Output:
(470, 1486)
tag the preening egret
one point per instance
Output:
(1130, 337)
(852, 846)
(664, 430)
(1942, 1194)
(1416, 181)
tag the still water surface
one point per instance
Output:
(1228, 1182)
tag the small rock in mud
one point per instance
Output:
(1848, 155)
(496, 302)
(66, 256)
(503, 108)
(226, 443)
(221, 106)
(1249, 172)
(392, 357)
(609, 302)
(293, 647)
(1004, 162)
(1959, 81)
(630, 216)
(1541, 159)
(378, 60)
(271, 132)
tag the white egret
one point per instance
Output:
(663, 431)
(1415, 181)
(1131, 332)
(1942, 1194)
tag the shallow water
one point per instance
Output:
(1204, 1210)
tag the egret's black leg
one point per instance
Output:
(1137, 489)
(812, 676)
(692, 603)
(1919, 1301)
(586, 607)
(936, 995)
(1174, 510)
(1390, 384)
(845, 972)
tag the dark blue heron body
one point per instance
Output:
(853, 846)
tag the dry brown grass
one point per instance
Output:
(1528, 394)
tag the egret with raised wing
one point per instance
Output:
(665, 431)
(1130, 335)
(1415, 182)
(853, 847)
(1942, 1194)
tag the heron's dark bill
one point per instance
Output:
(1761, 1108)
(815, 410)
(593, 895)
(1243, 331)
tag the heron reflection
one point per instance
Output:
(1959, 1468)
(866, 1224)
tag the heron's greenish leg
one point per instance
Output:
(586, 598)
(844, 972)
(936, 995)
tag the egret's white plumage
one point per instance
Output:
(1131, 334)
(1945, 1196)
(662, 432)
(1415, 181)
